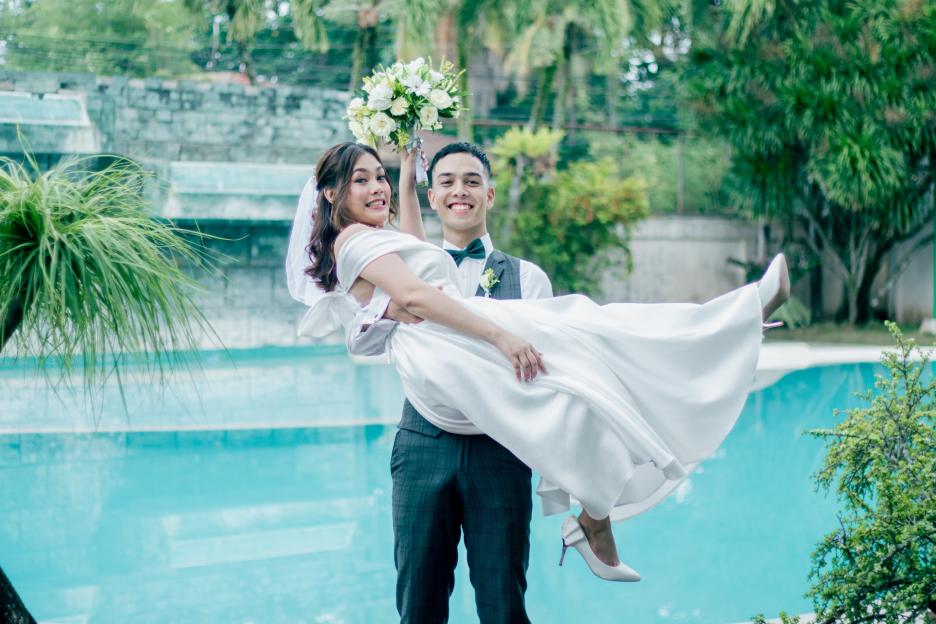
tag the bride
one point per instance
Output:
(613, 405)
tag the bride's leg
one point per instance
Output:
(600, 538)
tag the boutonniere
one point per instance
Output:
(488, 281)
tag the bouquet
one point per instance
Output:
(402, 99)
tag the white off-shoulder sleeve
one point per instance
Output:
(364, 247)
(330, 313)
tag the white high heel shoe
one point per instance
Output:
(774, 286)
(573, 535)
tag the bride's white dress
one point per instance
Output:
(636, 395)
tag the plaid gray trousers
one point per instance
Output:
(443, 484)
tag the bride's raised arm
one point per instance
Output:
(410, 215)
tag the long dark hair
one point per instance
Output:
(333, 171)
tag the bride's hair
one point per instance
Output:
(333, 171)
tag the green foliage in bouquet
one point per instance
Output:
(880, 564)
(86, 274)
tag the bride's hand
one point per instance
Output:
(408, 165)
(524, 357)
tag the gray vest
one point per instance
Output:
(507, 270)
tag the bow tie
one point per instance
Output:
(475, 249)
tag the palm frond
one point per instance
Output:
(98, 280)
(746, 15)
(309, 25)
(248, 18)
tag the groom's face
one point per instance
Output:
(461, 193)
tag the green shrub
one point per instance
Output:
(879, 565)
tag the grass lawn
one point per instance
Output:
(874, 333)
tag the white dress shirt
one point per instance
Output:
(533, 281)
(368, 332)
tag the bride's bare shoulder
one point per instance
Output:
(345, 234)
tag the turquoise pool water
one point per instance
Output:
(263, 520)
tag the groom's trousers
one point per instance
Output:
(445, 484)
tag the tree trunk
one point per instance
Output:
(612, 95)
(563, 76)
(12, 609)
(365, 46)
(247, 66)
(852, 300)
(362, 59)
(544, 86)
(11, 322)
(513, 199)
(463, 50)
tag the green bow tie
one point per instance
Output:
(475, 249)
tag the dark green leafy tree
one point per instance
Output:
(323, 31)
(830, 111)
(127, 37)
(566, 44)
(240, 21)
(879, 566)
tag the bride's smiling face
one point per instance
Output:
(368, 198)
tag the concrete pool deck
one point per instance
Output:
(779, 358)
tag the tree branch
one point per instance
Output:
(894, 276)
(826, 242)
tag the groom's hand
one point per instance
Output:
(400, 314)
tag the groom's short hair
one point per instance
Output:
(461, 147)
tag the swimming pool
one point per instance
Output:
(280, 510)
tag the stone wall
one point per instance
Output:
(233, 159)
(911, 297)
(159, 121)
(681, 259)
(231, 131)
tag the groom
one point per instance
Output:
(445, 484)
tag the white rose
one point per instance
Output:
(428, 116)
(399, 106)
(414, 65)
(416, 85)
(357, 129)
(435, 77)
(382, 125)
(380, 97)
(355, 104)
(423, 89)
(440, 99)
(397, 70)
